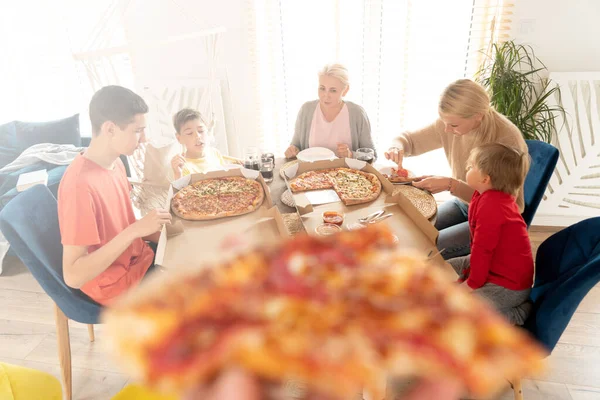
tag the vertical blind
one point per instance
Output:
(400, 55)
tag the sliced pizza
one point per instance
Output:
(311, 180)
(352, 186)
(337, 312)
(355, 187)
(217, 198)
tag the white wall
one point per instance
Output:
(565, 35)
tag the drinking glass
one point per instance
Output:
(251, 159)
(365, 154)
(266, 169)
(271, 156)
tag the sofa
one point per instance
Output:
(16, 136)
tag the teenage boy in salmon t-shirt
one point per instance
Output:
(105, 252)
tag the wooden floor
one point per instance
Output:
(28, 338)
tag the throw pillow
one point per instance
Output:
(63, 131)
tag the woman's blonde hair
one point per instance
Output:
(337, 71)
(506, 166)
(464, 98)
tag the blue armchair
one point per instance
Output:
(543, 161)
(30, 224)
(567, 268)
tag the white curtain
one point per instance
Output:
(400, 55)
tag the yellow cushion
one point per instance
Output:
(20, 383)
(135, 392)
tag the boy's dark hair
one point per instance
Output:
(184, 115)
(506, 166)
(117, 104)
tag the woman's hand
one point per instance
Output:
(433, 184)
(291, 151)
(343, 151)
(396, 155)
(177, 164)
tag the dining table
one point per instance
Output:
(278, 187)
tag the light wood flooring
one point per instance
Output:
(28, 338)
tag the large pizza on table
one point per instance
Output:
(352, 186)
(217, 198)
(337, 313)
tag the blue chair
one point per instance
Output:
(567, 268)
(544, 157)
(30, 224)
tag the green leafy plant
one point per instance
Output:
(511, 73)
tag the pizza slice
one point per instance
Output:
(400, 175)
(355, 187)
(237, 184)
(239, 195)
(195, 208)
(233, 204)
(338, 313)
(311, 180)
(206, 187)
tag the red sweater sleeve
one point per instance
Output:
(486, 234)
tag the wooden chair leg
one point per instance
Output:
(64, 351)
(91, 332)
(517, 388)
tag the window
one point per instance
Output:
(400, 55)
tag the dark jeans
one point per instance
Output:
(152, 267)
(454, 238)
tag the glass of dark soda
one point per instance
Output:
(251, 158)
(266, 169)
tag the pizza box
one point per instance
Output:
(187, 243)
(414, 231)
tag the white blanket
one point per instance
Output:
(57, 154)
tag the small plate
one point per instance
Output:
(316, 154)
(327, 229)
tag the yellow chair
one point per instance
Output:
(20, 383)
(136, 392)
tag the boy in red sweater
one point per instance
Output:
(500, 266)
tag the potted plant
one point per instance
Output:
(511, 73)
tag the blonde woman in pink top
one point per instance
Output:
(331, 121)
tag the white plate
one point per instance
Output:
(316, 154)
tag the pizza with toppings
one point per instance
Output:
(400, 175)
(217, 198)
(352, 186)
(337, 313)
